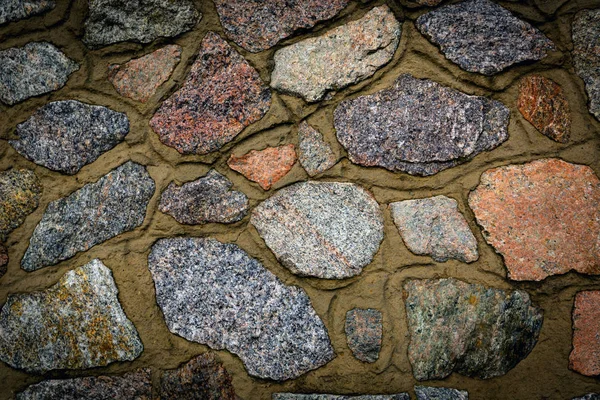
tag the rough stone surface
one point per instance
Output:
(207, 199)
(14, 10)
(434, 227)
(77, 323)
(482, 36)
(314, 153)
(221, 95)
(116, 203)
(419, 126)
(292, 396)
(364, 331)
(341, 57)
(324, 229)
(20, 192)
(3, 259)
(215, 294)
(589, 396)
(32, 70)
(586, 54)
(585, 356)
(66, 135)
(440, 393)
(543, 217)
(470, 329)
(265, 167)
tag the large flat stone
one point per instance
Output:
(14, 10)
(265, 167)
(20, 192)
(364, 331)
(314, 153)
(586, 54)
(585, 356)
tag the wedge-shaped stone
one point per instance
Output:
(265, 167)
(364, 331)
(314, 153)
(440, 393)
(20, 192)
(14, 10)
(585, 356)
(586, 54)
(293, 396)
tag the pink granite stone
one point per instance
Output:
(585, 356)
(265, 167)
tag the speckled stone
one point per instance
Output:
(343, 56)
(482, 36)
(66, 135)
(207, 199)
(419, 126)
(257, 25)
(589, 396)
(471, 329)
(434, 227)
(586, 54)
(440, 393)
(32, 70)
(293, 396)
(77, 323)
(265, 167)
(20, 192)
(543, 217)
(116, 203)
(3, 259)
(221, 95)
(364, 331)
(215, 294)
(14, 10)
(328, 230)
(585, 356)
(314, 154)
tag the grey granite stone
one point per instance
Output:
(586, 54)
(14, 10)
(292, 396)
(440, 393)
(589, 396)
(20, 192)
(364, 331)
(324, 229)
(314, 153)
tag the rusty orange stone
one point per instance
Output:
(265, 167)
(585, 356)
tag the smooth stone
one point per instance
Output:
(440, 393)
(315, 396)
(585, 355)
(315, 155)
(20, 192)
(364, 331)
(14, 10)
(586, 54)
(265, 167)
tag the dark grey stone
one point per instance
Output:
(586, 54)
(440, 393)
(14, 10)
(292, 396)
(364, 331)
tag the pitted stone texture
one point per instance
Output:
(434, 227)
(221, 95)
(585, 356)
(215, 294)
(207, 199)
(14, 10)
(66, 135)
(265, 167)
(474, 330)
(3, 259)
(139, 78)
(113, 21)
(257, 25)
(20, 192)
(440, 393)
(34, 69)
(419, 126)
(481, 36)
(77, 323)
(292, 396)
(328, 230)
(341, 57)
(586, 54)
(364, 331)
(116, 203)
(543, 217)
(314, 153)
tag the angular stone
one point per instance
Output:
(419, 126)
(66, 135)
(434, 227)
(471, 329)
(543, 217)
(293, 396)
(207, 199)
(265, 167)
(585, 356)
(77, 323)
(215, 294)
(586, 54)
(221, 95)
(14, 10)
(116, 203)
(364, 331)
(20, 192)
(32, 70)
(482, 36)
(314, 153)
(3, 259)
(328, 230)
(440, 393)
(339, 58)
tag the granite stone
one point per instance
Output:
(293, 396)
(440, 393)
(586, 54)
(364, 331)
(265, 167)
(20, 192)
(585, 356)
(3, 259)
(314, 153)
(14, 10)
(589, 396)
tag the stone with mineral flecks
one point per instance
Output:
(20, 192)
(221, 95)
(314, 154)
(14, 10)
(265, 167)
(440, 393)
(586, 54)
(471, 329)
(328, 230)
(419, 126)
(589, 396)
(585, 356)
(339, 58)
(3, 259)
(319, 396)
(77, 323)
(543, 217)
(364, 331)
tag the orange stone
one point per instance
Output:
(265, 167)
(585, 356)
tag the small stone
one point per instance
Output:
(339, 58)
(116, 203)
(586, 54)
(14, 10)
(543, 217)
(207, 199)
(471, 329)
(434, 227)
(440, 393)
(265, 167)
(32, 70)
(327, 230)
(585, 356)
(66, 135)
(314, 153)
(221, 95)
(3, 259)
(292, 396)
(364, 331)
(482, 36)
(77, 323)
(20, 192)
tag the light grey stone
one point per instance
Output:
(586, 54)
(314, 153)
(14, 10)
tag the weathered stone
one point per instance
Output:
(14, 10)
(434, 227)
(221, 95)
(314, 153)
(31, 70)
(207, 199)
(66, 135)
(419, 126)
(543, 217)
(482, 36)
(589, 396)
(586, 54)
(325, 229)
(3, 259)
(215, 294)
(139, 78)
(20, 192)
(440, 393)
(293, 396)
(341, 57)
(116, 203)
(364, 331)
(585, 356)
(265, 167)
(77, 323)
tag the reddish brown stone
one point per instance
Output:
(3, 259)
(221, 95)
(265, 167)
(543, 217)
(585, 356)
